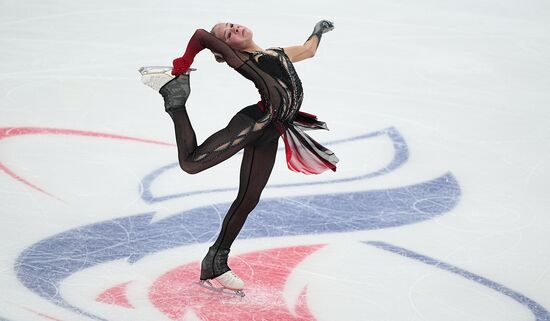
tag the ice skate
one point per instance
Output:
(157, 76)
(214, 268)
(174, 90)
(228, 282)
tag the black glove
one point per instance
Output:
(321, 27)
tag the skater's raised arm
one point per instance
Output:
(200, 40)
(309, 48)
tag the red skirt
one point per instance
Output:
(303, 153)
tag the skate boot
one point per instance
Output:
(174, 90)
(214, 267)
(156, 76)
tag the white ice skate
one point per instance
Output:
(157, 76)
(228, 281)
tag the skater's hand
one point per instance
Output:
(181, 65)
(323, 26)
(311, 44)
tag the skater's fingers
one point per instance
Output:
(325, 26)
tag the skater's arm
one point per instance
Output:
(200, 40)
(309, 48)
(302, 52)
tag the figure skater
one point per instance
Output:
(256, 128)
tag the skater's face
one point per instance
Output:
(237, 36)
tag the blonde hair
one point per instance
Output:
(217, 56)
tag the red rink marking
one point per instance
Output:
(265, 274)
(45, 316)
(8, 171)
(116, 295)
(7, 132)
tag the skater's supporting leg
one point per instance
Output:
(256, 168)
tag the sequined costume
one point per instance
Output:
(281, 94)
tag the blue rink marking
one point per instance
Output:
(401, 155)
(539, 311)
(43, 266)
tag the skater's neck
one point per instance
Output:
(252, 47)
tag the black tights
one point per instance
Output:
(260, 149)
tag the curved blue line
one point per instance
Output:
(538, 310)
(44, 265)
(401, 155)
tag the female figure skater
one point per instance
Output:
(256, 128)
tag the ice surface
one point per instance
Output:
(438, 210)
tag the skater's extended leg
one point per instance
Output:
(218, 147)
(243, 128)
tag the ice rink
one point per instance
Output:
(440, 208)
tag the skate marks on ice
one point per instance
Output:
(540, 313)
(43, 266)
(214, 286)
(10, 132)
(400, 156)
(265, 273)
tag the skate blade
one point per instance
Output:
(222, 290)
(147, 70)
(157, 76)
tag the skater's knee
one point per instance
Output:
(250, 202)
(190, 167)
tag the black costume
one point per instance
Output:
(255, 128)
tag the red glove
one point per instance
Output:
(181, 65)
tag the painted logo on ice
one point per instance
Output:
(43, 266)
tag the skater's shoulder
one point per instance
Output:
(270, 52)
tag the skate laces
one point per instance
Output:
(230, 276)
